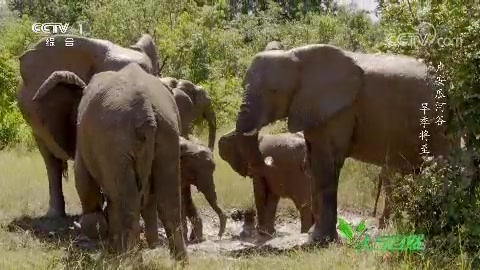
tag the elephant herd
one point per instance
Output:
(127, 128)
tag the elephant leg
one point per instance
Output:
(377, 196)
(166, 175)
(260, 193)
(271, 203)
(327, 148)
(91, 200)
(184, 214)
(196, 236)
(384, 178)
(306, 217)
(54, 167)
(150, 218)
(211, 197)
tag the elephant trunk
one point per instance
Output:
(63, 76)
(249, 121)
(212, 125)
(249, 116)
(207, 187)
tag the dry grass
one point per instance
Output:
(24, 193)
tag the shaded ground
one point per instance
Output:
(62, 232)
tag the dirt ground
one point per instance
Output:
(288, 236)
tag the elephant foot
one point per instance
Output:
(56, 212)
(223, 224)
(320, 240)
(247, 232)
(266, 232)
(154, 244)
(196, 240)
(382, 222)
(94, 225)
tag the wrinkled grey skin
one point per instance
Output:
(127, 147)
(274, 45)
(197, 166)
(284, 175)
(55, 133)
(349, 105)
(201, 109)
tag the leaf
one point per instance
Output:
(345, 229)
(361, 227)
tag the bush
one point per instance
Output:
(442, 203)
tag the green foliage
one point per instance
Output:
(210, 44)
(16, 37)
(455, 44)
(442, 203)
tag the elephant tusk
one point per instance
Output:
(268, 161)
(250, 133)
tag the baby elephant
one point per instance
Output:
(197, 167)
(285, 176)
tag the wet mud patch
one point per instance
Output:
(47, 229)
(287, 238)
(234, 244)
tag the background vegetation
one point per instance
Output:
(211, 44)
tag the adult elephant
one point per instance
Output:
(128, 147)
(55, 133)
(363, 106)
(202, 106)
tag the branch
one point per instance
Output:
(163, 64)
(411, 12)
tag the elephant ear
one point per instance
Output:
(146, 45)
(38, 63)
(201, 96)
(189, 88)
(330, 81)
(228, 151)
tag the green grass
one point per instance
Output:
(24, 191)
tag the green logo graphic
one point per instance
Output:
(359, 240)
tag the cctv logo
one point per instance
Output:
(50, 28)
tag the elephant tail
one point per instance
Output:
(145, 148)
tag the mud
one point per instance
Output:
(235, 243)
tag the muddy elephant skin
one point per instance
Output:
(284, 175)
(128, 148)
(364, 106)
(197, 166)
(55, 133)
(199, 106)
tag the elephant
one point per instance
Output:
(274, 45)
(197, 166)
(284, 176)
(202, 107)
(363, 106)
(55, 134)
(128, 148)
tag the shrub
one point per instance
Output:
(442, 203)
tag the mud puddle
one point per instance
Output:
(287, 237)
